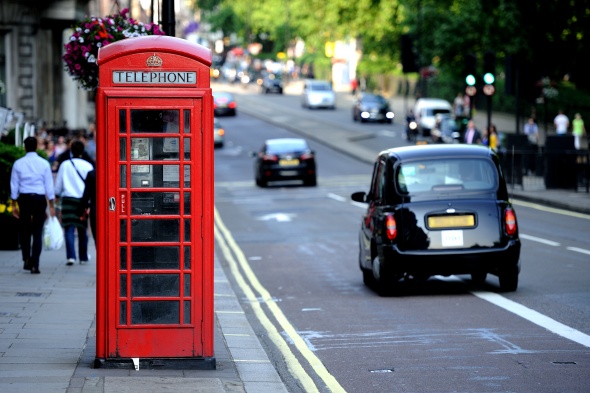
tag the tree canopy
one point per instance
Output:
(546, 39)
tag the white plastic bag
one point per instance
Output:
(53, 234)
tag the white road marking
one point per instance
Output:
(388, 133)
(539, 240)
(337, 197)
(576, 249)
(535, 317)
(279, 217)
(531, 315)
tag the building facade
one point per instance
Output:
(34, 86)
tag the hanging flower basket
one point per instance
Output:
(92, 33)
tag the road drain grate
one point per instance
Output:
(564, 362)
(29, 294)
(381, 371)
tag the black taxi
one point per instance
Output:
(437, 210)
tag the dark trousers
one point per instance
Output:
(32, 209)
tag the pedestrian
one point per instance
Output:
(493, 137)
(561, 122)
(531, 130)
(472, 134)
(91, 142)
(31, 189)
(66, 155)
(49, 147)
(69, 187)
(88, 202)
(579, 130)
(467, 107)
(458, 105)
(61, 145)
(353, 86)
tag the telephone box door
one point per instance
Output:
(153, 227)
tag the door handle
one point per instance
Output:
(112, 204)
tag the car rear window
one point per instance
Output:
(446, 176)
(436, 111)
(320, 87)
(286, 147)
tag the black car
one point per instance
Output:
(446, 130)
(437, 210)
(224, 104)
(285, 159)
(272, 83)
(371, 107)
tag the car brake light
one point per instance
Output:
(232, 105)
(220, 132)
(510, 221)
(306, 156)
(391, 226)
(215, 105)
(270, 157)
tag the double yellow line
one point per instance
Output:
(248, 282)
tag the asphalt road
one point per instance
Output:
(291, 253)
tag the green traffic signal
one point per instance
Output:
(489, 78)
(470, 80)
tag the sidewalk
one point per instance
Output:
(47, 338)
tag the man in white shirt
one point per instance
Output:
(31, 187)
(562, 123)
(69, 187)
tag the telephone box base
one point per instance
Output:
(198, 363)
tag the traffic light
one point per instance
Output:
(408, 55)
(470, 70)
(489, 68)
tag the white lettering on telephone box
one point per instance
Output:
(155, 77)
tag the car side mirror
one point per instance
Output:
(359, 196)
(253, 154)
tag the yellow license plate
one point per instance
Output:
(288, 162)
(451, 221)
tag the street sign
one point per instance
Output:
(489, 90)
(470, 90)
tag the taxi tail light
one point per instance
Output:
(390, 226)
(510, 221)
(232, 105)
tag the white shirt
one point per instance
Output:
(31, 174)
(67, 182)
(561, 123)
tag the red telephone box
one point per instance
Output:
(154, 205)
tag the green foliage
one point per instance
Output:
(8, 155)
(549, 38)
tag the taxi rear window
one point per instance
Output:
(446, 176)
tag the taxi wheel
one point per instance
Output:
(312, 181)
(381, 283)
(368, 278)
(260, 182)
(509, 279)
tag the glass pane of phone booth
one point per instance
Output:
(154, 220)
